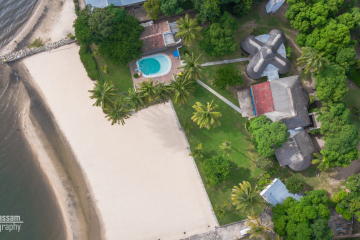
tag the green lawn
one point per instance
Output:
(231, 130)
(352, 99)
(118, 73)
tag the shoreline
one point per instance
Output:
(58, 163)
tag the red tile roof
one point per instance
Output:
(153, 38)
(262, 97)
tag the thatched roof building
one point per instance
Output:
(265, 54)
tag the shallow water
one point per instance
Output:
(24, 190)
(13, 14)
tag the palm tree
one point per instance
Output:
(206, 116)
(104, 93)
(311, 59)
(187, 127)
(118, 113)
(162, 92)
(192, 67)
(245, 198)
(197, 152)
(188, 29)
(226, 148)
(323, 162)
(180, 89)
(134, 100)
(147, 90)
(219, 210)
(257, 229)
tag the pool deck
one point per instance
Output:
(175, 63)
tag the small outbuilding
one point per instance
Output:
(265, 55)
(276, 193)
(297, 153)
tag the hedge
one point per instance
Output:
(88, 62)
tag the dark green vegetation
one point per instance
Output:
(264, 163)
(152, 7)
(228, 76)
(294, 184)
(219, 37)
(268, 134)
(89, 63)
(216, 170)
(36, 43)
(347, 200)
(116, 33)
(352, 100)
(307, 219)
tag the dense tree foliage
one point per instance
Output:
(346, 58)
(264, 163)
(331, 84)
(303, 220)
(268, 134)
(341, 136)
(347, 200)
(216, 170)
(96, 24)
(242, 7)
(294, 184)
(89, 62)
(124, 44)
(219, 37)
(152, 7)
(170, 7)
(228, 76)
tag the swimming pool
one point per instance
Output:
(154, 65)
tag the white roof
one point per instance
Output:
(276, 193)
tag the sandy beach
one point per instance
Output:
(51, 20)
(144, 183)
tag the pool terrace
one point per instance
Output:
(175, 63)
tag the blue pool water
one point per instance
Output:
(156, 65)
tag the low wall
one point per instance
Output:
(25, 52)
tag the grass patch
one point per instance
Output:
(118, 73)
(232, 130)
(352, 99)
(36, 43)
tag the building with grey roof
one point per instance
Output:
(265, 53)
(117, 3)
(283, 100)
(297, 153)
(276, 193)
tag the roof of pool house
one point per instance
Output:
(276, 193)
(283, 100)
(117, 3)
(156, 36)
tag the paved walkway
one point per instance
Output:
(219, 96)
(224, 61)
(245, 102)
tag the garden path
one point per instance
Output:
(224, 62)
(219, 96)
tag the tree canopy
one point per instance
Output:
(152, 7)
(346, 58)
(170, 7)
(303, 220)
(216, 170)
(268, 134)
(219, 37)
(347, 200)
(124, 44)
(331, 84)
(228, 76)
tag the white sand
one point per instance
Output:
(143, 181)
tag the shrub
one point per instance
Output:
(355, 111)
(312, 99)
(152, 7)
(36, 43)
(263, 181)
(136, 75)
(314, 131)
(216, 170)
(72, 37)
(89, 62)
(228, 76)
(257, 31)
(264, 163)
(294, 184)
(289, 53)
